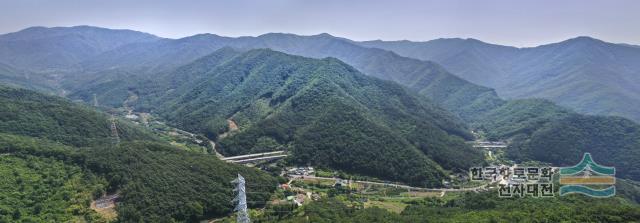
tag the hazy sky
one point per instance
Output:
(508, 22)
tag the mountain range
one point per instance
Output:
(62, 48)
(588, 75)
(585, 74)
(315, 107)
(192, 82)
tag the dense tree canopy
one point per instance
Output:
(25, 112)
(471, 207)
(324, 111)
(155, 181)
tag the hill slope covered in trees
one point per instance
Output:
(154, 61)
(63, 158)
(326, 112)
(479, 106)
(540, 130)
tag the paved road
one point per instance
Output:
(213, 146)
(249, 156)
(401, 185)
(258, 159)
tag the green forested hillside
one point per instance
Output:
(62, 173)
(197, 97)
(112, 74)
(41, 189)
(516, 117)
(469, 207)
(479, 106)
(19, 78)
(145, 68)
(113, 87)
(134, 54)
(152, 58)
(612, 141)
(25, 112)
(156, 56)
(158, 182)
(426, 77)
(326, 112)
(540, 130)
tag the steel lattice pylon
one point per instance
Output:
(114, 132)
(95, 100)
(241, 199)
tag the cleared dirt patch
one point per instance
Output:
(106, 206)
(232, 125)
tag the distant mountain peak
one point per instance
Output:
(76, 28)
(37, 32)
(324, 35)
(62, 48)
(32, 28)
(473, 40)
(206, 34)
(584, 40)
(201, 36)
(276, 34)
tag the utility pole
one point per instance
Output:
(241, 199)
(115, 138)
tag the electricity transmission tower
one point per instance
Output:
(115, 139)
(241, 199)
(95, 100)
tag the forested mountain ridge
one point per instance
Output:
(613, 140)
(582, 73)
(44, 49)
(25, 112)
(20, 78)
(156, 55)
(538, 129)
(469, 207)
(115, 87)
(61, 158)
(543, 131)
(429, 78)
(477, 105)
(471, 59)
(586, 74)
(325, 111)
